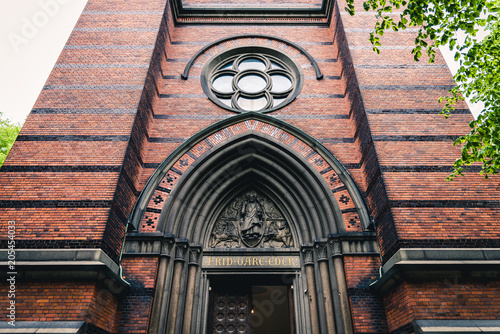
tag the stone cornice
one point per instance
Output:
(49, 327)
(456, 326)
(354, 243)
(435, 263)
(43, 264)
(153, 244)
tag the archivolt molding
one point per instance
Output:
(251, 151)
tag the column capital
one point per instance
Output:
(308, 254)
(181, 246)
(194, 255)
(321, 250)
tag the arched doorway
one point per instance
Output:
(251, 209)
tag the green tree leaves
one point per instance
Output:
(478, 77)
(8, 135)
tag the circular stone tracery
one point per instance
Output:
(251, 79)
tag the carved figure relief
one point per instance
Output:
(278, 235)
(225, 233)
(251, 220)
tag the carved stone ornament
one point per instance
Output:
(194, 255)
(336, 248)
(251, 220)
(308, 255)
(322, 251)
(180, 251)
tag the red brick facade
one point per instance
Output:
(65, 301)
(457, 299)
(115, 110)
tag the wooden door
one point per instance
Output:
(230, 311)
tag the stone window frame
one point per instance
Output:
(215, 68)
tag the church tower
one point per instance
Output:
(244, 167)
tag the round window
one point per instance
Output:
(251, 78)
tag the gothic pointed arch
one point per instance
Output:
(310, 189)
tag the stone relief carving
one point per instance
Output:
(251, 220)
(278, 234)
(226, 234)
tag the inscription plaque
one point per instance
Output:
(251, 261)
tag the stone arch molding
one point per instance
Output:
(251, 152)
(300, 54)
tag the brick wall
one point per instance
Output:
(115, 107)
(184, 100)
(366, 309)
(64, 301)
(70, 159)
(444, 299)
(407, 152)
(70, 180)
(408, 148)
(141, 273)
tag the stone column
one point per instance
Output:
(158, 313)
(311, 289)
(158, 298)
(342, 286)
(188, 307)
(176, 288)
(322, 251)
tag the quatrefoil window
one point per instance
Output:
(252, 78)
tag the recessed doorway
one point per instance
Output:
(251, 305)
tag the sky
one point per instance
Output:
(33, 34)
